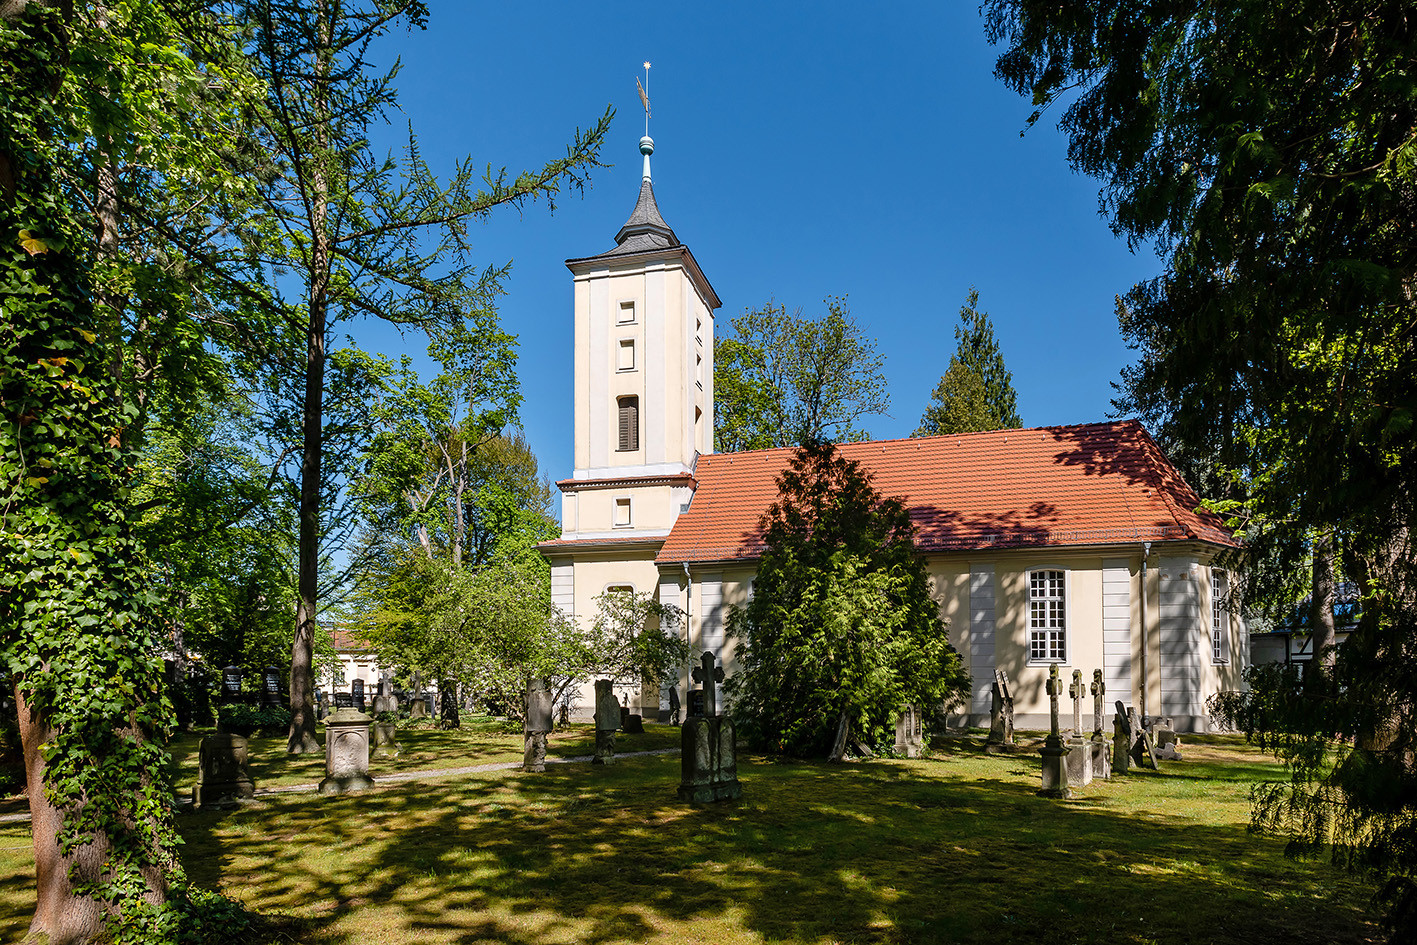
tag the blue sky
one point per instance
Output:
(801, 151)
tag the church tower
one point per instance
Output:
(643, 379)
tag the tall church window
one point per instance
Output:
(629, 410)
(1218, 616)
(1047, 616)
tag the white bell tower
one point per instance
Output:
(643, 378)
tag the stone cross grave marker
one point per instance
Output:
(1077, 690)
(707, 674)
(1055, 689)
(1099, 689)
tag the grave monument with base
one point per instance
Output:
(538, 725)
(1001, 714)
(909, 733)
(1098, 746)
(607, 721)
(1079, 752)
(709, 757)
(1054, 752)
(346, 752)
(224, 775)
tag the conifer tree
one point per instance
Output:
(977, 391)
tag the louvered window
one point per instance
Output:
(1219, 618)
(629, 423)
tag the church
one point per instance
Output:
(1072, 545)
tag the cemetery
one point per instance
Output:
(952, 846)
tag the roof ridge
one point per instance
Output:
(1115, 424)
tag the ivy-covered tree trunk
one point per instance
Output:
(76, 621)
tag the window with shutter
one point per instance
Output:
(629, 423)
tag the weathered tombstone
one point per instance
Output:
(908, 732)
(1001, 713)
(343, 700)
(709, 756)
(418, 708)
(1143, 756)
(537, 725)
(383, 738)
(674, 706)
(1167, 744)
(356, 694)
(1077, 691)
(1101, 766)
(224, 773)
(231, 684)
(1054, 752)
(1121, 740)
(270, 687)
(607, 720)
(633, 724)
(346, 752)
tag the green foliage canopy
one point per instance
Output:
(841, 631)
(782, 380)
(976, 392)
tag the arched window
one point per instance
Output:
(629, 410)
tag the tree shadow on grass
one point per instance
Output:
(891, 851)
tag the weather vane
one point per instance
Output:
(644, 96)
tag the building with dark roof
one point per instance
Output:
(1076, 545)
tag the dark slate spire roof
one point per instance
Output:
(646, 229)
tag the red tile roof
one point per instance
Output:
(347, 640)
(1091, 484)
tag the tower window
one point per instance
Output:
(622, 513)
(627, 313)
(626, 359)
(629, 408)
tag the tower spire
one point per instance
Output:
(646, 143)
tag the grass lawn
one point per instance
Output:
(953, 848)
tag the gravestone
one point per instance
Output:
(385, 700)
(1101, 763)
(674, 707)
(696, 703)
(632, 723)
(224, 773)
(418, 708)
(231, 684)
(1142, 751)
(321, 705)
(708, 757)
(270, 687)
(356, 694)
(1054, 752)
(537, 726)
(346, 752)
(607, 720)
(383, 738)
(908, 732)
(1077, 691)
(1001, 714)
(1121, 740)
(1167, 746)
(343, 700)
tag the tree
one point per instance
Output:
(359, 234)
(781, 379)
(841, 630)
(976, 392)
(1270, 152)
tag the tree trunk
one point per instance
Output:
(302, 675)
(843, 737)
(1321, 603)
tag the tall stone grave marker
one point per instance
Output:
(1079, 753)
(356, 694)
(709, 757)
(270, 687)
(1141, 751)
(1054, 752)
(909, 736)
(1121, 740)
(607, 720)
(1101, 768)
(231, 684)
(346, 752)
(385, 701)
(224, 774)
(1001, 714)
(538, 725)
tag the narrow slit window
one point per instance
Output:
(626, 358)
(627, 313)
(629, 410)
(622, 513)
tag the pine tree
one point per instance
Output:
(976, 391)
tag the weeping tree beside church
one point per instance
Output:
(841, 630)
